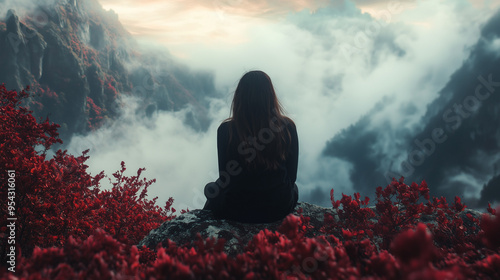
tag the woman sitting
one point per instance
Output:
(258, 155)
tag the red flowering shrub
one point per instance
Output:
(414, 247)
(491, 210)
(398, 207)
(55, 199)
(354, 221)
(95, 114)
(450, 230)
(67, 227)
(99, 256)
(491, 228)
(124, 211)
(110, 87)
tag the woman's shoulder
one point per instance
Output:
(289, 123)
(224, 127)
(225, 124)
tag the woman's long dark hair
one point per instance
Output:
(257, 114)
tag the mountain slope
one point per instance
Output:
(80, 61)
(458, 147)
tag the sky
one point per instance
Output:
(331, 62)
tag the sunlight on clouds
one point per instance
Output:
(227, 21)
(216, 21)
(492, 4)
(379, 9)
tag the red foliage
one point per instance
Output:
(491, 210)
(95, 114)
(109, 87)
(414, 247)
(491, 227)
(354, 221)
(69, 228)
(89, 55)
(398, 207)
(99, 256)
(47, 92)
(57, 198)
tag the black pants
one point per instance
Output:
(212, 194)
(211, 202)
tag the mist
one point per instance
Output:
(26, 7)
(330, 66)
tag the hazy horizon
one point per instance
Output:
(331, 62)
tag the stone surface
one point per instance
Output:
(184, 229)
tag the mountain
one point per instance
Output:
(457, 150)
(81, 63)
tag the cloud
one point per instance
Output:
(181, 159)
(388, 136)
(331, 65)
(201, 21)
(26, 7)
(177, 22)
(325, 91)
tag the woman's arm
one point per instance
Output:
(215, 191)
(293, 161)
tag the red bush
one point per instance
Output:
(56, 198)
(95, 114)
(491, 227)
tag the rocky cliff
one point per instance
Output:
(80, 61)
(456, 148)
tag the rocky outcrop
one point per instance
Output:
(183, 230)
(22, 51)
(80, 60)
(50, 51)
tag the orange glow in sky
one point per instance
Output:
(213, 22)
(201, 21)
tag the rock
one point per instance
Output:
(13, 24)
(21, 53)
(183, 229)
(97, 36)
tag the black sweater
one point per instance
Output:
(256, 195)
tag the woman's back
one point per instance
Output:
(257, 155)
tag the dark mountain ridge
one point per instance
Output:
(80, 61)
(459, 143)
